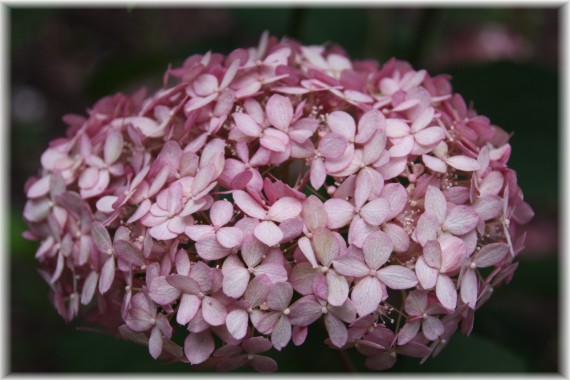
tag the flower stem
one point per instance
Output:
(346, 362)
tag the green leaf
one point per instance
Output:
(471, 354)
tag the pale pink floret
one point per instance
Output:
(422, 316)
(267, 231)
(417, 139)
(320, 251)
(221, 213)
(441, 258)
(437, 218)
(371, 288)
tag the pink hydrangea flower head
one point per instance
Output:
(256, 194)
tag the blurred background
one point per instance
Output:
(505, 60)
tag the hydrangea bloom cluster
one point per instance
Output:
(271, 190)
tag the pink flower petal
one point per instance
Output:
(37, 210)
(305, 311)
(446, 292)
(281, 334)
(213, 311)
(436, 203)
(336, 329)
(433, 254)
(105, 204)
(326, 246)
(113, 147)
(209, 248)
(318, 174)
(199, 231)
(229, 237)
(359, 231)
(397, 277)
(128, 252)
(279, 111)
(366, 295)
(268, 233)
(492, 184)
(161, 292)
(377, 249)
(415, 350)
(235, 281)
(409, 331)
(427, 276)
(393, 168)
(332, 145)
(468, 288)
(147, 126)
(342, 123)
(107, 274)
(155, 343)
(430, 136)
(101, 238)
(205, 84)
(374, 148)
(423, 120)
(39, 188)
(432, 328)
(337, 287)
(284, 208)
(272, 142)
(161, 232)
(398, 236)
(246, 124)
(453, 253)
(274, 272)
(221, 212)
(280, 296)
(236, 322)
(339, 212)
(461, 220)
(402, 147)
(253, 251)
(464, 163)
(248, 205)
(380, 362)
(189, 305)
(198, 347)
(490, 254)
(488, 206)
(313, 213)
(376, 211)
(416, 303)
(257, 290)
(263, 364)
(397, 128)
(230, 74)
(427, 228)
(434, 163)
(89, 287)
(307, 249)
(338, 164)
(351, 266)
(368, 124)
(363, 188)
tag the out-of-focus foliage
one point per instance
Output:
(62, 60)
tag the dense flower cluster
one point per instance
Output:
(278, 187)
